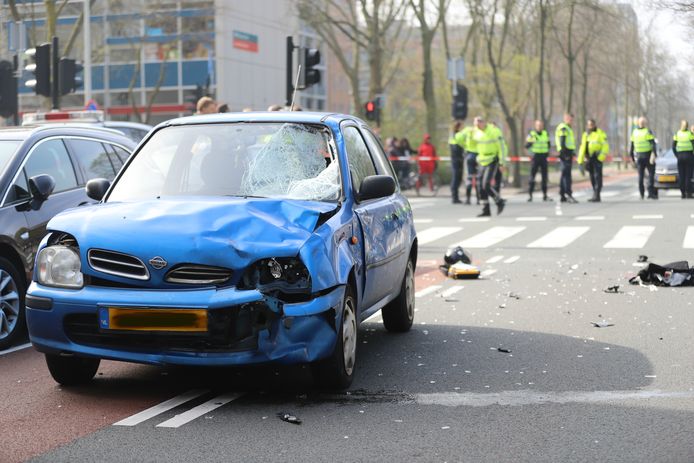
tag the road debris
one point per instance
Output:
(504, 350)
(289, 418)
(642, 258)
(602, 324)
(458, 264)
(513, 295)
(672, 274)
(613, 290)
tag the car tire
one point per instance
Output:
(12, 293)
(398, 315)
(337, 371)
(72, 371)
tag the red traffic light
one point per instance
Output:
(370, 106)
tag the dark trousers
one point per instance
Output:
(595, 171)
(565, 180)
(498, 180)
(539, 162)
(642, 164)
(471, 162)
(456, 174)
(487, 177)
(685, 166)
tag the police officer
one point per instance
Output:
(490, 145)
(464, 137)
(594, 149)
(538, 144)
(566, 145)
(642, 151)
(456, 149)
(683, 147)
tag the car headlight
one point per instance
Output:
(283, 274)
(59, 266)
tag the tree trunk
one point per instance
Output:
(428, 83)
(570, 59)
(541, 75)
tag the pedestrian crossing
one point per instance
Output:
(590, 231)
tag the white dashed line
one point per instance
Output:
(161, 408)
(196, 412)
(531, 219)
(474, 219)
(416, 221)
(511, 260)
(426, 291)
(490, 272)
(451, 291)
(494, 260)
(647, 216)
(590, 217)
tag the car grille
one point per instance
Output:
(118, 264)
(230, 329)
(198, 275)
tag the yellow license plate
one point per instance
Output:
(667, 178)
(132, 319)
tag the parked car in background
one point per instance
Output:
(666, 174)
(43, 171)
(230, 239)
(133, 130)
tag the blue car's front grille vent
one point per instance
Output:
(192, 274)
(118, 264)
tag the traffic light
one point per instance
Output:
(67, 75)
(459, 108)
(40, 69)
(308, 59)
(371, 110)
(8, 89)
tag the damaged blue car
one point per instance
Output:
(229, 239)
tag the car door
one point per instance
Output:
(378, 222)
(49, 156)
(94, 159)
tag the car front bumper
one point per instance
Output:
(667, 180)
(244, 327)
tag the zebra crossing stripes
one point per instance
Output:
(689, 238)
(161, 408)
(490, 237)
(202, 409)
(559, 237)
(432, 234)
(630, 237)
(427, 290)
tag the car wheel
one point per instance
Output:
(398, 315)
(72, 371)
(337, 371)
(11, 304)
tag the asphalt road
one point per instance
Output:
(566, 391)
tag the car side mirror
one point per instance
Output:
(41, 186)
(376, 186)
(96, 188)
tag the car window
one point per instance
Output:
(93, 158)
(115, 159)
(19, 191)
(121, 153)
(51, 158)
(379, 156)
(360, 163)
(7, 150)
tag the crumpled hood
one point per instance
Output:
(225, 232)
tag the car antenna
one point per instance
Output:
(296, 87)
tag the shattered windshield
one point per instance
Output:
(270, 160)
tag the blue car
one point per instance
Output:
(229, 239)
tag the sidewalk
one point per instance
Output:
(611, 174)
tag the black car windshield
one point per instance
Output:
(7, 150)
(273, 160)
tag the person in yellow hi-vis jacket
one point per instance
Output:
(593, 151)
(490, 156)
(683, 147)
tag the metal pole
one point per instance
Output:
(290, 65)
(15, 62)
(55, 84)
(86, 13)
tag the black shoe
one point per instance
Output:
(547, 198)
(530, 199)
(592, 200)
(467, 201)
(486, 211)
(572, 200)
(457, 201)
(652, 197)
(562, 199)
(500, 206)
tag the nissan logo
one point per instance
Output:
(158, 262)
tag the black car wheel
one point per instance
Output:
(337, 371)
(398, 315)
(72, 371)
(11, 304)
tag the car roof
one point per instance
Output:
(298, 117)
(128, 124)
(64, 129)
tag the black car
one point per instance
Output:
(43, 171)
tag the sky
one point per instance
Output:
(666, 26)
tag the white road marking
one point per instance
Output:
(416, 221)
(691, 216)
(609, 194)
(511, 260)
(557, 208)
(490, 272)
(161, 408)
(490, 237)
(647, 216)
(494, 260)
(590, 217)
(526, 397)
(689, 238)
(559, 237)
(429, 235)
(15, 349)
(196, 412)
(630, 237)
(531, 219)
(451, 291)
(673, 192)
(474, 219)
(428, 290)
(421, 205)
